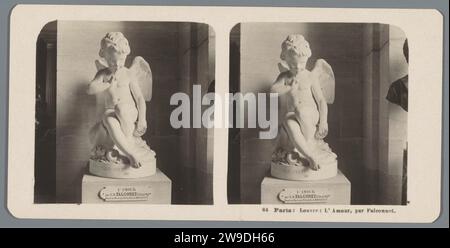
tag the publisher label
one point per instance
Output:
(125, 193)
(295, 195)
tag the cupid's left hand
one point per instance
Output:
(322, 131)
(141, 127)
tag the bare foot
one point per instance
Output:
(314, 164)
(134, 162)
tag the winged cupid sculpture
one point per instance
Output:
(121, 94)
(301, 153)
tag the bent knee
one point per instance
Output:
(290, 120)
(109, 119)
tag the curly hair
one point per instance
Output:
(295, 43)
(116, 40)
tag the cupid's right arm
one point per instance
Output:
(97, 85)
(280, 86)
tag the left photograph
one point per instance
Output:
(104, 111)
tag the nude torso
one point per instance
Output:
(120, 100)
(301, 95)
(119, 89)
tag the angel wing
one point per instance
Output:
(100, 64)
(324, 73)
(143, 75)
(282, 68)
(100, 97)
(284, 105)
(97, 133)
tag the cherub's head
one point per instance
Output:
(295, 51)
(114, 49)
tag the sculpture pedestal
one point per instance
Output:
(334, 190)
(154, 189)
(303, 173)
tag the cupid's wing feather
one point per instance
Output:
(143, 75)
(284, 104)
(100, 64)
(97, 131)
(282, 68)
(100, 98)
(325, 76)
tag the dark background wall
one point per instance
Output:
(180, 54)
(197, 66)
(344, 47)
(385, 124)
(45, 136)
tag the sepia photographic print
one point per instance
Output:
(342, 115)
(225, 113)
(103, 132)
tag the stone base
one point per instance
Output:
(303, 173)
(334, 190)
(120, 170)
(154, 189)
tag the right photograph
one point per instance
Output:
(318, 114)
